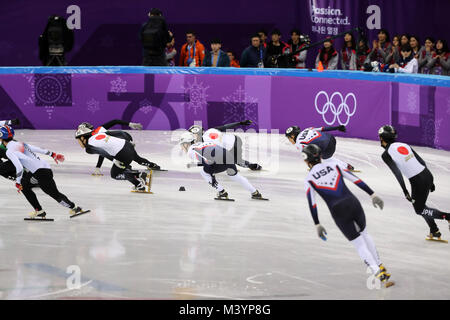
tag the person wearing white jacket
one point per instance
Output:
(407, 63)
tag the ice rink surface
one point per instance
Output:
(185, 245)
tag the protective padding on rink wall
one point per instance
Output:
(172, 98)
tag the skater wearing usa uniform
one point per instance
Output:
(104, 128)
(403, 160)
(28, 166)
(327, 179)
(120, 151)
(213, 159)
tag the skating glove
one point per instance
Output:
(432, 188)
(57, 157)
(19, 187)
(135, 126)
(15, 122)
(321, 232)
(376, 201)
(246, 122)
(97, 172)
(408, 197)
(342, 128)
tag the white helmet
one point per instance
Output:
(83, 130)
(187, 137)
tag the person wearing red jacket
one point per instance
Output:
(192, 52)
(348, 53)
(328, 56)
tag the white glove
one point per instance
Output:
(119, 164)
(135, 126)
(321, 232)
(97, 172)
(376, 201)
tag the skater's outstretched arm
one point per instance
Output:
(310, 195)
(112, 123)
(94, 150)
(397, 173)
(57, 157)
(233, 125)
(340, 128)
(100, 162)
(355, 179)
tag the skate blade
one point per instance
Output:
(79, 214)
(260, 199)
(436, 240)
(97, 175)
(224, 199)
(38, 219)
(389, 284)
(137, 191)
(160, 170)
(355, 171)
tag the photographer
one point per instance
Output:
(154, 37)
(297, 42)
(275, 50)
(55, 41)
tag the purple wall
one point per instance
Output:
(109, 30)
(161, 101)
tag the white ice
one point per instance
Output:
(186, 245)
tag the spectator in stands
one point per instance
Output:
(404, 39)
(415, 45)
(171, 51)
(192, 52)
(299, 59)
(328, 56)
(254, 55)
(263, 36)
(233, 61)
(381, 48)
(426, 53)
(407, 62)
(440, 60)
(216, 57)
(348, 53)
(362, 53)
(154, 36)
(395, 53)
(275, 49)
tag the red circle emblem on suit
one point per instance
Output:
(402, 150)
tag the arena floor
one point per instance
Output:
(185, 245)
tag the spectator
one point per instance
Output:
(404, 39)
(407, 62)
(440, 61)
(254, 55)
(348, 53)
(426, 54)
(263, 36)
(275, 49)
(415, 46)
(362, 53)
(382, 48)
(395, 53)
(171, 51)
(295, 43)
(328, 56)
(192, 52)
(216, 57)
(233, 61)
(154, 37)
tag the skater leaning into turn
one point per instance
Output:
(318, 136)
(229, 141)
(122, 135)
(403, 160)
(28, 167)
(327, 179)
(213, 160)
(120, 151)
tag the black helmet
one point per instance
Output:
(293, 132)
(312, 153)
(87, 125)
(387, 133)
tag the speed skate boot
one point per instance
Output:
(141, 186)
(254, 167)
(384, 276)
(153, 166)
(435, 235)
(38, 214)
(222, 194)
(350, 167)
(75, 210)
(256, 195)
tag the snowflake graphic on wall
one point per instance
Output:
(429, 131)
(195, 94)
(240, 104)
(118, 86)
(437, 128)
(145, 106)
(412, 102)
(49, 110)
(93, 105)
(32, 97)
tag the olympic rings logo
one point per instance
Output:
(330, 106)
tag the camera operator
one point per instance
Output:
(55, 41)
(275, 50)
(297, 41)
(154, 36)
